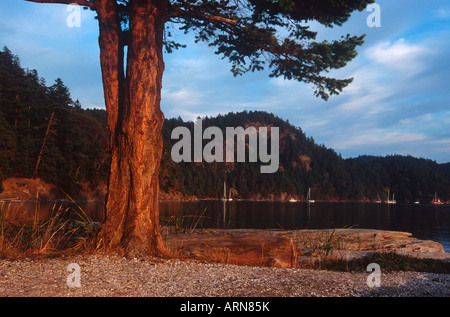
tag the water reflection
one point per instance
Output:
(423, 221)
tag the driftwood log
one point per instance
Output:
(249, 247)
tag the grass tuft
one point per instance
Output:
(323, 243)
(24, 234)
(184, 224)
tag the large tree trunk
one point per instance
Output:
(131, 219)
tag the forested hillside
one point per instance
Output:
(44, 133)
(47, 135)
(303, 164)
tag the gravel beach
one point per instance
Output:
(111, 276)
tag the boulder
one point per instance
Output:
(364, 239)
(24, 189)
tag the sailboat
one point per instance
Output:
(378, 201)
(393, 201)
(308, 198)
(229, 195)
(436, 200)
(224, 198)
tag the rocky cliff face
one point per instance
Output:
(25, 189)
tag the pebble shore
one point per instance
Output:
(112, 276)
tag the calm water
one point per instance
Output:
(423, 221)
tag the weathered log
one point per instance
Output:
(253, 248)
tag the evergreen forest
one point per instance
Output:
(45, 134)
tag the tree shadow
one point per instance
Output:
(410, 284)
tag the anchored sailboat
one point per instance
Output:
(393, 201)
(436, 200)
(224, 198)
(378, 201)
(308, 198)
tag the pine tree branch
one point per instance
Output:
(178, 12)
(84, 3)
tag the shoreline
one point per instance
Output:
(106, 275)
(18, 201)
(19, 189)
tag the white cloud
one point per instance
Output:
(400, 56)
(366, 104)
(378, 137)
(443, 13)
(442, 146)
(181, 96)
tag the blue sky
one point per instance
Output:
(398, 103)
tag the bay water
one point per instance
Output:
(424, 221)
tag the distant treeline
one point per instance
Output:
(303, 165)
(45, 134)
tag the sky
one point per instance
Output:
(398, 102)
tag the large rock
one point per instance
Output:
(32, 189)
(357, 243)
(24, 189)
(364, 239)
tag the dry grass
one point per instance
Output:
(24, 234)
(324, 243)
(183, 224)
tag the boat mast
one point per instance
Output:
(225, 190)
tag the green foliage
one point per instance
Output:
(257, 34)
(75, 148)
(255, 41)
(303, 164)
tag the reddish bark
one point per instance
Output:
(134, 118)
(131, 219)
